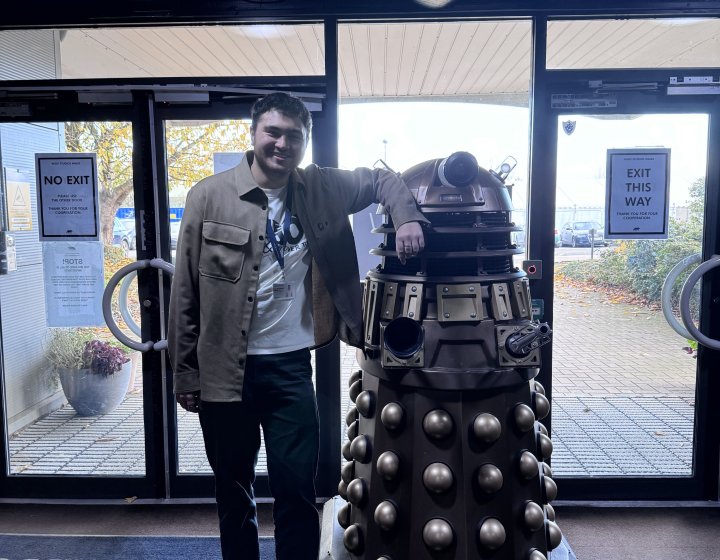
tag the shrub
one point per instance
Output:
(80, 349)
(639, 267)
(64, 347)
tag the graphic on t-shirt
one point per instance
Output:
(289, 240)
(282, 313)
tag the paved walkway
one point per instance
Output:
(65, 443)
(623, 404)
(623, 389)
(609, 348)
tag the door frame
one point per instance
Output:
(327, 358)
(58, 103)
(60, 106)
(703, 484)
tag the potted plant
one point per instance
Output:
(94, 374)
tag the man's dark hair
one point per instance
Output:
(284, 103)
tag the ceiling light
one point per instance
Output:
(434, 3)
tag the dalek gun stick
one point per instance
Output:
(446, 457)
(533, 336)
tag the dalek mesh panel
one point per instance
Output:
(445, 456)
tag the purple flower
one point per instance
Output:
(103, 358)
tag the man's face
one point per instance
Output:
(279, 142)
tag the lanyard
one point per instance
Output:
(287, 220)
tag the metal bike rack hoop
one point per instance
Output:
(107, 299)
(709, 264)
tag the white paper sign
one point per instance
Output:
(10, 253)
(74, 284)
(68, 202)
(18, 200)
(637, 193)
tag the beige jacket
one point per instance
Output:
(218, 257)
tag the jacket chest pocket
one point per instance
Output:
(223, 250)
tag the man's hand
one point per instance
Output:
(409, 240)
(189, 401)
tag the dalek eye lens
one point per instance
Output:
(458, 170)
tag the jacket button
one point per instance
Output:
(250, 298)
(255, 267)
(264, 207)
(243, 333)
(262, 238)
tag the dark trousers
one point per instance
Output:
(278, 395)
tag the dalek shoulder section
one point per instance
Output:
(462, 304)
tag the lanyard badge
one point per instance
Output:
(283, 290)
(287, 222)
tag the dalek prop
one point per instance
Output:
(445, 456)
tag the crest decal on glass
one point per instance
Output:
(568, 127)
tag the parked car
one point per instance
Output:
(518, 238)
(129, 224)
(577, 234)
(124, 234)
(174, 233)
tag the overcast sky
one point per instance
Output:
(412, 132)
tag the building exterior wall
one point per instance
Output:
(29, 390)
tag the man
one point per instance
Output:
(265, 270)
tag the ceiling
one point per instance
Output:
(472, 60)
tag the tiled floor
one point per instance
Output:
(616, 411)
(635, 533)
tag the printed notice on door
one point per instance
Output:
(74, 284)
(636, 202)
(68, 197)
(17, 200)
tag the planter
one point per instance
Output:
(91, 394)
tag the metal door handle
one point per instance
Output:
(709, 264)
(107, 299)
(667, 289)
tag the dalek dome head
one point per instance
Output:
(458, 180)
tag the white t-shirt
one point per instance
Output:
(282, 318)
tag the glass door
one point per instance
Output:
(72, 397)
(624, 381)
(199, 143)
(129, 439)
(630, 396)
(195, 149)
